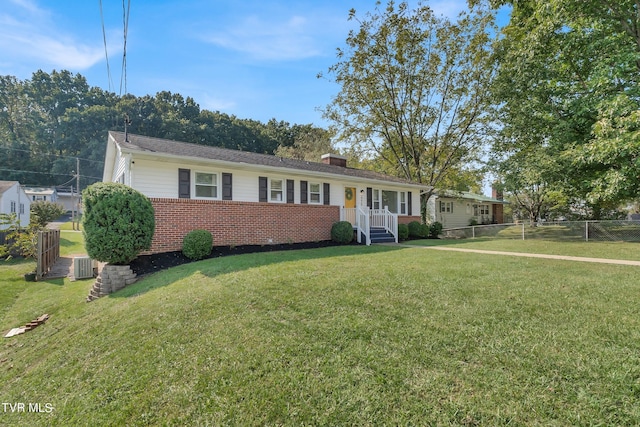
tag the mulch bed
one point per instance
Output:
(147, 264)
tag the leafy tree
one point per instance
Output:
(43, 212)
(414, 90)
(309, 143)
(568, 81)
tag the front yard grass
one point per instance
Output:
(608, 250)
(335, 336)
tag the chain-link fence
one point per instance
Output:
(628, 231)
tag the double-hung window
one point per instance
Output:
(446, 207)
(276, 190)
(207, 185)
(315, 195)
(403, 203)
(13, 207)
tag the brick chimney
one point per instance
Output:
(334, 159)
(496, 191)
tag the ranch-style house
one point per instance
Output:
(246, 198)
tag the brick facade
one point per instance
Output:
(240, 223)
(404, 219)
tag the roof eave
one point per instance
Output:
(251, 166)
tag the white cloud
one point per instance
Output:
(29, 35)
(288, 40)
(211, 103)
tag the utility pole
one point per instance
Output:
(78, 192)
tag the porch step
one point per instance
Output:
(379, 235)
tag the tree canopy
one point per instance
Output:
(414, 90)
(567, 84)
(48, 121)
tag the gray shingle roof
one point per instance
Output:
(146, 144)
(5, 185)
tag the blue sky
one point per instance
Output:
(256, 59)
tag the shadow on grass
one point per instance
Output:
(445, 242)
(57, 281)
(233, 263)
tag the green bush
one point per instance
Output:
(473, 222)
(342, 232)
(118, 222)
(43, 212)
(403, 231)
(197, 244)
(415, 229)
(435, 229)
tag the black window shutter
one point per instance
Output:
(303, 192)
(326, 195)
(290, 191)
(409, 203)
(370, 197)
(227, 193)
(184, 183)
(262, 188)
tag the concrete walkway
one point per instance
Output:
(529, 255)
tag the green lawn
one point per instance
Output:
(71, 243)
(609, 250)
(333, 336)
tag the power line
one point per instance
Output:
(49, 173)
(55, 155)
(104, 39)
(125, 22)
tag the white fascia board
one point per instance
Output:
(265, 169)
(109, 159)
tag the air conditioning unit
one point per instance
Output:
(82, 267)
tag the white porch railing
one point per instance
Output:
(363, 218)
(383, 218)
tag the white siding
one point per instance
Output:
(159, 179)
(463, 212)
(16, 195)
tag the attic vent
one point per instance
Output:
(334, 159)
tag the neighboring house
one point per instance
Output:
(69, 199)
(459, 208)
(246, 198)
(45, 194)
(13, 199)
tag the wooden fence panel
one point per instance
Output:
(48, 251)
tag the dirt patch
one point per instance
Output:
(147, 264)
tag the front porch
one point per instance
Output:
(372, 225)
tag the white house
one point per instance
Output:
(250, 198)
(69, 199)
(14, 200)
(45, 194)
(459, 208)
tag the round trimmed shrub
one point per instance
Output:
(118, 222)
(424, 231)
(415, 229)
(342, 232)
(403, 231)
(435, 229)
(197, 244)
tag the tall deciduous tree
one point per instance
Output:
(568, 80)
(414, 89)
